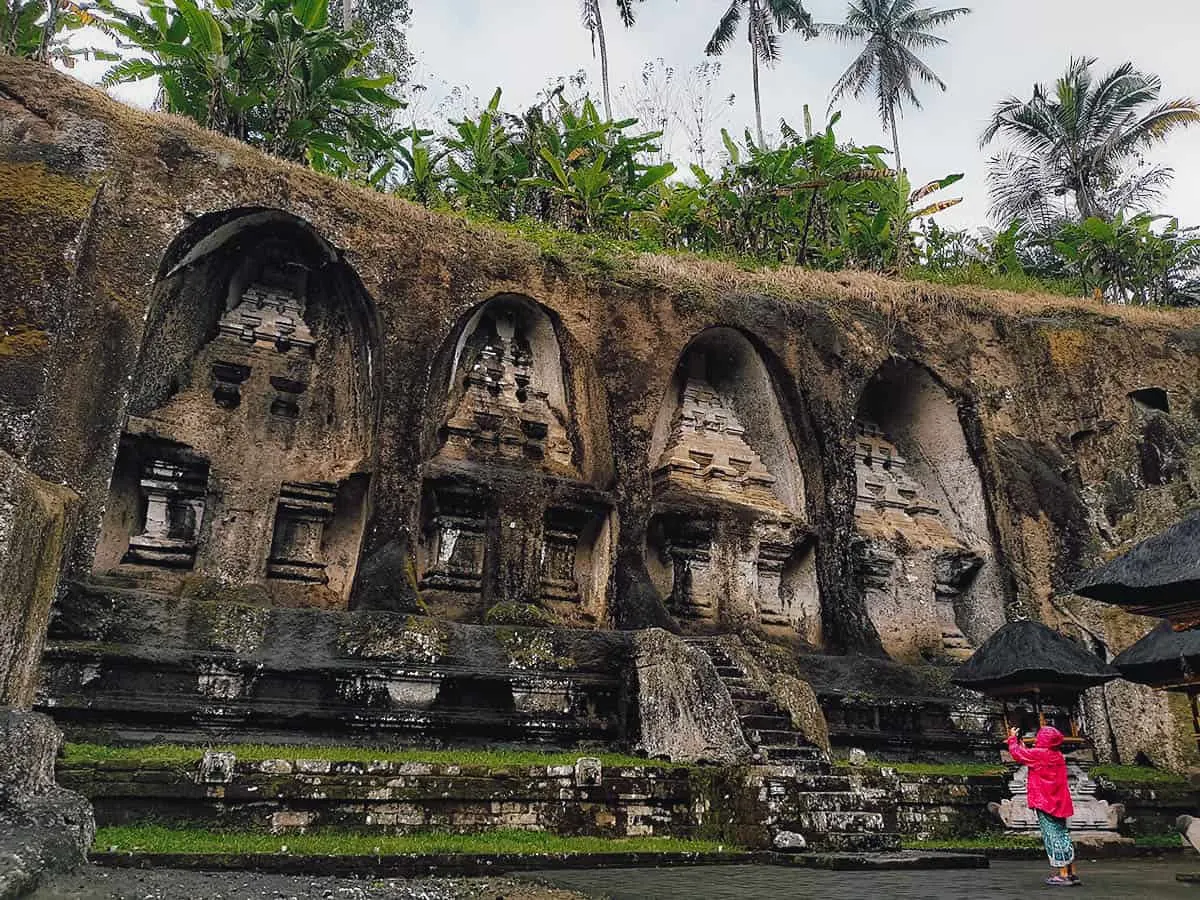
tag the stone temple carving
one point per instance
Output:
(504, 411)
(1099, 818)
(727, 547)
(707, 450)
(174, 497)
(458, 541)
(268, 316)
(890, 502)
(300, 518)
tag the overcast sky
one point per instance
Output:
(1002, 48)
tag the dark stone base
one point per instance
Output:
(43, 828)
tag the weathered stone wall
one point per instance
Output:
(1072, 462)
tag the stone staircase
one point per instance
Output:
(767, 727)
(834, 812)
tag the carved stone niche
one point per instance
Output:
(173, 492)
(457, 540)
(788, 594)
(683, 546)
(303, 511)
(512, 401)
(560, 546)
(707, 451)
(228, 379)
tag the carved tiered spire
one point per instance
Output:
(707, 451)
(503, 411)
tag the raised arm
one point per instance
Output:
(1018, 750)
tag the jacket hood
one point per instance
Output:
(1049, 738)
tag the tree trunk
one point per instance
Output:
(347, 14)
(603, 63)
(757, 97)
(895, 138)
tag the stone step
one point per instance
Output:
(778, 754)
(755, 707)
(840, 802)
(726, 672)
(854, 843)
(766, 723)
(740, 692)
(779, 737)
(740, 683)
(837, 822)
(818, 784)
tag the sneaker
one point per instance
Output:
(1060, 881)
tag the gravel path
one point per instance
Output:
(94, 883)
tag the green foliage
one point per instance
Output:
(181, 755)
(1128, 261)
(1077, 141)
(160, 839)
(892, 32)
(41, 30)
(273, 73)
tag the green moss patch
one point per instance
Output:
(178, 754)
(157, 839)
(957, 770)
(1136, 775)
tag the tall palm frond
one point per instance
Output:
(892, 32)
(765, 21)
(1087, 134)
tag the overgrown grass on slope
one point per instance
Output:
(157, 839)
(179, 754)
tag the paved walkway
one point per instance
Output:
(1117, 880)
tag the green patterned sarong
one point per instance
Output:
(1057, 839)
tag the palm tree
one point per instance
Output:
(593, 21)
(893, 30)
(765, 20)
(1082, 138)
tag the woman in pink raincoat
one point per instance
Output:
(1050, 796)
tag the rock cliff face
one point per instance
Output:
(253, 378)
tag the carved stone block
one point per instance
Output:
(227, 383)
(174, 495)
(458, 542)
(300, 518)
(268, 317)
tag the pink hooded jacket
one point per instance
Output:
(1049, 790)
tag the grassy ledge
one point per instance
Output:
(157, 839)
(1136, 775)
(1166, 840)
(931, 769)
(180, 754)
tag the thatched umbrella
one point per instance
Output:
(1028, 660)
(1159, 577)
(1165, 658)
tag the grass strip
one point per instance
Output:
(1165, 840)
(917, 768)
(180, 754)
(1136, 775)
(158, 839)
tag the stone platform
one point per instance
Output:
(744, 807)
(125, 665)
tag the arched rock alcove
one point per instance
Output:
(728, 543)
(247, 454)
(515, 522)
(927, 562)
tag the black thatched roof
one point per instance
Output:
(1030, 654)
(1163, 657)
(1158, 577)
